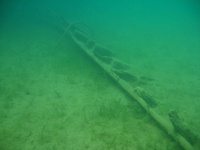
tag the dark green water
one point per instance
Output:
(52, 96)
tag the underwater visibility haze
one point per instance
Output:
(99, 75)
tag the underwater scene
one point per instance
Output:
(100, 75)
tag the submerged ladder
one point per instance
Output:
(120, 72)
